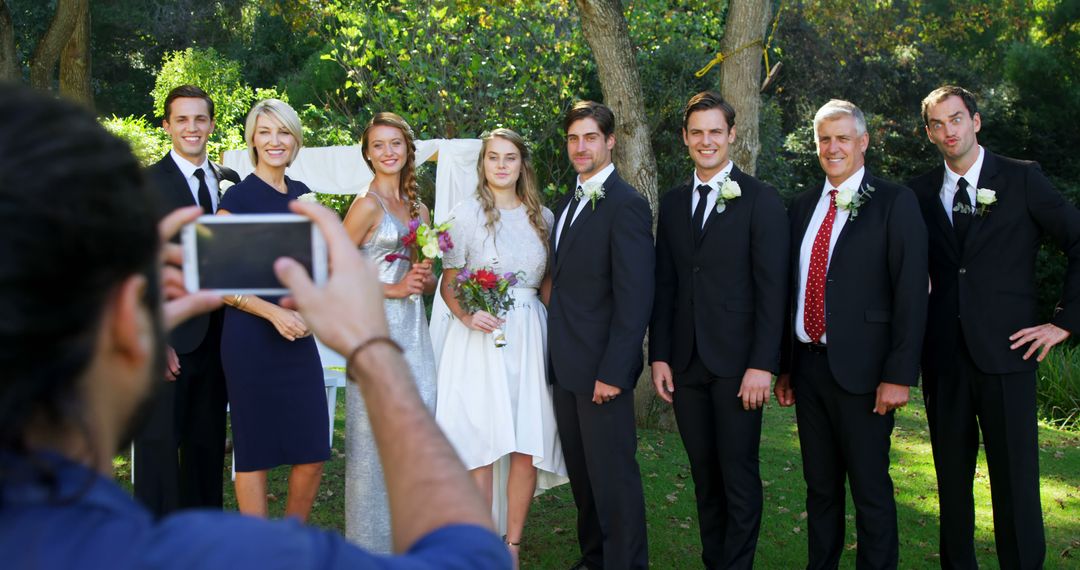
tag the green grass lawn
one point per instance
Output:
(550, 537)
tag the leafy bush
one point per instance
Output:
(148, 142)
(1059, 387)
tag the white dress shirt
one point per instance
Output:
(188, 170)
(600, 177)
(822, 208)
(710, 198)
(948, 186)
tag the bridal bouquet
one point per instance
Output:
(484, 290)
(429, 242)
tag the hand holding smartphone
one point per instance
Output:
(235, 254)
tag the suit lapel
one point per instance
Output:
(986, 176)
(866, 181)
(566, 241)
(712, 214)
(179, 184)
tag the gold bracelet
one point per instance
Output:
(239, 301)
(367, 343)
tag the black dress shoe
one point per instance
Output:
(580, 565)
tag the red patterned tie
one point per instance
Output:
(814, 303)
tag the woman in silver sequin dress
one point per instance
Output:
(377, 220)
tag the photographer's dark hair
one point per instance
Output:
(708, 100)
(76, 222)
(599, 112)
(944, 92)
(193, 91)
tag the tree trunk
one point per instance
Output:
(9, 66)
(47, 53)
(740, 75)
(608, 36)
(75, 61)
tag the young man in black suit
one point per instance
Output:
(180, 454)
(860, 289)
(985, 214)
(601, 294)
(721, 287)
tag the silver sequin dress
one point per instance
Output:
(367, 513)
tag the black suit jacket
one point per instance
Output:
(728, 292)
(601, 291)
(990, 281)
(173, 192)
(875, 290)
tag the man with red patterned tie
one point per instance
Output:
(859, 266)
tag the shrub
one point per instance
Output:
(148, 142)
(1059, 387)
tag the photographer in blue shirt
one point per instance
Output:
(82, 326)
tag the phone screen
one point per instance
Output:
(242, 255)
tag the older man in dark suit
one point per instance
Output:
(859, 275)
(601, 295)
(986, 214)
(179, 455)
(721, 287)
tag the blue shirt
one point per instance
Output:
(90, 522)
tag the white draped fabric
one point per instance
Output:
(333, 169)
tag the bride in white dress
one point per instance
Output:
(494, 404)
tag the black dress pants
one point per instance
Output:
(959, 404)
(842, 438)
(599, 445)
(180, 452)
(722, 441)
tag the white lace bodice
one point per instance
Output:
(514, 247)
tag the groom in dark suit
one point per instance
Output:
(601, 295)
(860, 288)
(180, 453)
(986, 214)
(721, 291)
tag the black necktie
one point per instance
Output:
(204, 192)
(699, 212)
(571, 209)
(961, 211)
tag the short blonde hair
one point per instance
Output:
(837, 108)
(281, 112)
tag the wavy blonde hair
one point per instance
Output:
(526, 187)
(407, 181)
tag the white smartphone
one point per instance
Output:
(235, 254)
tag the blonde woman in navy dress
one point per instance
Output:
(272, 368)
(377, 220)
(494, 404)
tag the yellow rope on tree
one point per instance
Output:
(721, 56)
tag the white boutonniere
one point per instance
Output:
(309, 197)
(729, 190)
(224, 185)
(592, 190)
(984, 197)
(851, 200)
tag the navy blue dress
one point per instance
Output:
(277, 399)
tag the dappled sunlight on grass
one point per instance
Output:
(550, 539)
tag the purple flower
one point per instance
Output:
(413, 224)
(445, 243)
(511, 278)
(463, 276)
